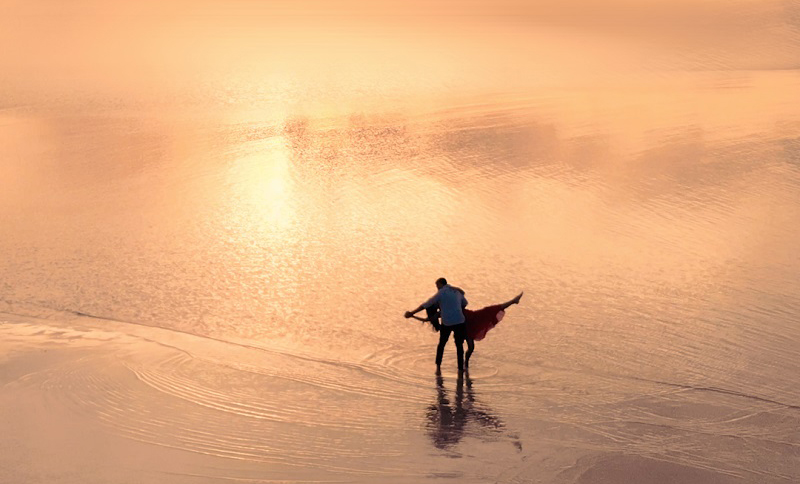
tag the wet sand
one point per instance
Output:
(89, 400)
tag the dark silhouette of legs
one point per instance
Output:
(470, 349)
(460, 334)
(444, 335)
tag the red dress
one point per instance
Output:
(481, 321)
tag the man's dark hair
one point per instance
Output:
(441, 281)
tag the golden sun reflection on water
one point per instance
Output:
(261, 186)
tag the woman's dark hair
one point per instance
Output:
(433, 316)
(441, 281)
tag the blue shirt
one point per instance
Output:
(450, 302)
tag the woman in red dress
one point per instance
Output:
(478, 322)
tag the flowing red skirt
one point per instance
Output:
(481, 321)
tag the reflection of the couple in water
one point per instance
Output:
(448, 421)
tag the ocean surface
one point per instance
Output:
(209, 286)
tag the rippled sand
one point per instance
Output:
(90, 400)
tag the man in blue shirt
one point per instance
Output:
(451, 302)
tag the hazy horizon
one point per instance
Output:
(244, 51)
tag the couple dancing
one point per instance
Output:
(463, 323)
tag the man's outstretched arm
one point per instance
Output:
(415, 311)
(430, 302)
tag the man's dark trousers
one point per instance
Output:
(460, 334)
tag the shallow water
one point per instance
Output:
(214, 291)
